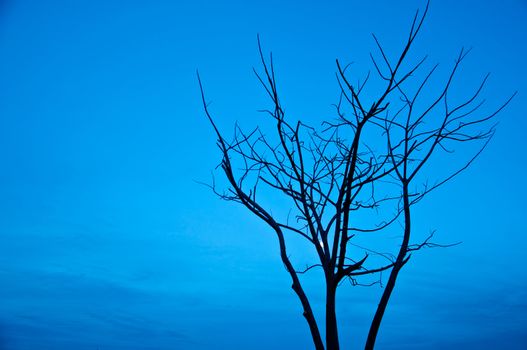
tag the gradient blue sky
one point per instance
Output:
(106, 241)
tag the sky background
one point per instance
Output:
(108, 242)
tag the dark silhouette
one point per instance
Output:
(366, 160)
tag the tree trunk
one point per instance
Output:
(332, 335)
(399, 263)
(376, 323)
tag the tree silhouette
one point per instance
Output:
(366, 161)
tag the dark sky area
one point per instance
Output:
(107, 241)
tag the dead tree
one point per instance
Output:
(335, 173)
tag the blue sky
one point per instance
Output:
(107, 241)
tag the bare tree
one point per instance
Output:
(367, 160)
